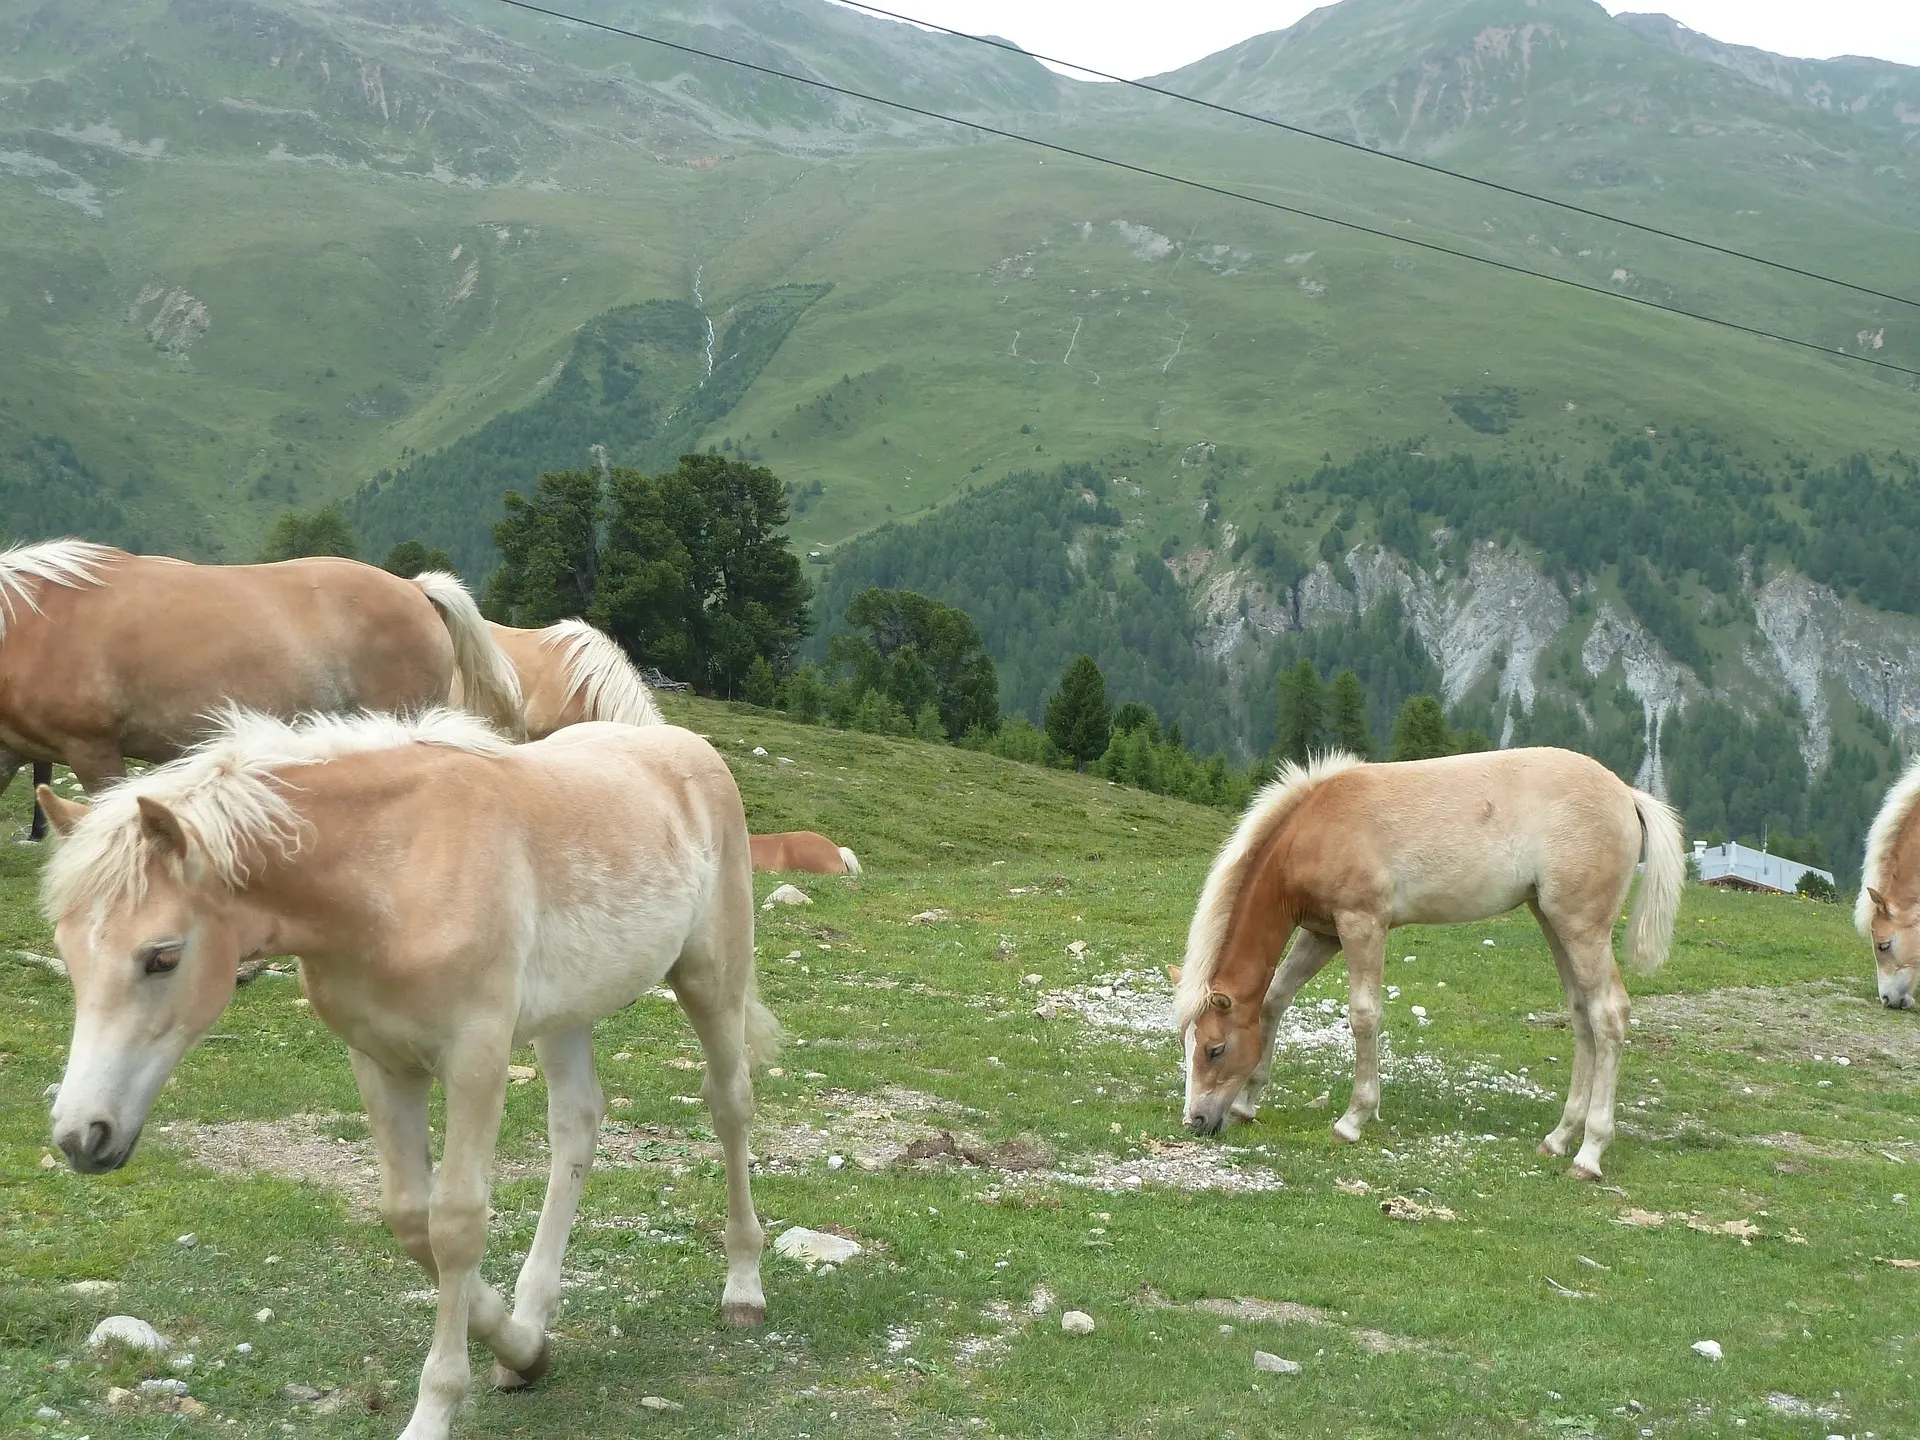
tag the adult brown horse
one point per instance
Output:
(806, 850)
(106, 656)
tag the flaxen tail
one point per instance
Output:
(489, 685)
(850, 860)
(763, 1031)
(1650, 930)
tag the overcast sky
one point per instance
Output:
(1146, 37)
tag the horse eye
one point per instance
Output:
(161, 960)
(1883, 946)
(1214, 1052)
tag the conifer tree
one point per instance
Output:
(1303, 713)
(1079, 721)
(1350, 731)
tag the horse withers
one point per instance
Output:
(1345, 851)
(107, 656)
(451, 896)
(1887, 910)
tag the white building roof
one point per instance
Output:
(1733, 863)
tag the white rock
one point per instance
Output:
(263, 1315)
(1406, 959)
(1077, 948)
(46, 1412)
(783, 759)
(1274, 1365)
(93, 1288)
(188, 1241)
(1708, 1349)
(835, 1162)
(760, 750)
(815, 1247)
(656, 1402)
(127, 1330)
(182, 1363)
(51, 1091)
(1032, 979)
(1041, 1302)
(243, 1348)
(1487, 943)
(787, 895)
(163, 1387)
(1077, 1322)
(1046, 1010)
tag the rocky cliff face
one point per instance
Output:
(1501, 617)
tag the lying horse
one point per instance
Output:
(803, 850)
(1345, 851)
(106, 655)
(1887, 910)
(450, 896)
(571, 672)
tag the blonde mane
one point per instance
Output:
(24, 568)
(229, 793)
(1895, 811)
(1207, 936)
(599, 672)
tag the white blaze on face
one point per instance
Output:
(1186, 1049)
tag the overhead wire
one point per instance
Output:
(981, 127)
(1513, 190)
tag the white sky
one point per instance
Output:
(1146, 37)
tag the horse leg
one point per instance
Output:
(1581, 1086)
(717, 1006)
(574, 1107)
(1605, 1000)
(1309, 953)
(42, 775)
(1365, 941)
(95, 765)
(397, 1114)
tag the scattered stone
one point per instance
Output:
(836, 1162)
(1707, 1349)
(1077, 949)
(929, 917)
(760, 750)
(1897, 1264)
(1077, 1322)
(1637, 1219)
(1741, 1230)
(127, 1330)
(188, 1241)
(1352, 1187)
(187, 1405)
(783, 759)
(46, 1412)
(263, 1315)
(47, 1162)
(1273, 1365)
(119, 1397)
(1320, 1101)
(623, 1056)
(520, 1074)
(1591, 1263)
(657, 1402)
(243, 1348)
(183, 1363)
(1487, 943)
(815, 1247)
(1567, 1291)
(1045, 1010)
(93, 1289)
(787, 895)
(1032, 979)
(163, 1387)
(299, 1394)
(1401, 1207)
(1782, 1403)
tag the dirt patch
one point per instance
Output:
(1244, 1310)
(1025, 1153)
(1823, 1022)
(295, 1147)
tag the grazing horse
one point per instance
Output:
(106, 655)
(571, 672)
(450, 895)
(1887, 910)
(1345, 851)
(803, 850)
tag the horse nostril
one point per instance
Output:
(99, 1140)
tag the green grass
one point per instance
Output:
(1471, 1339)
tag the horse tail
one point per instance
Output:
(850, 860)
(763, 1030)
(1650, 930)
(599, 672)
(489, 685)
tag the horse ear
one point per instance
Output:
(63, 815)
(163, 828)
(1879, 900)
(1173, 973)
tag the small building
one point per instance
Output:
(1733, 866)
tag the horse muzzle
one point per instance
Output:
(1203, 1124)
(98, 1147)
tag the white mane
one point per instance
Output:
(228, 792)
(1207, 936)
(24, 568)
(599, 672)
(1895, 811)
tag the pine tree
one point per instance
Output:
(1303, 713)
(759, 687)
(1350, 731)
(1420, 730)
(1079, 721)
(300, 533)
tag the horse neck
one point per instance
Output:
(1264, 915)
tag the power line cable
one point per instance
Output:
(1201, 185)
(1301, 130)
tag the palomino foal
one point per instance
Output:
(1345, 851)
(450, 896)
(1887, 911)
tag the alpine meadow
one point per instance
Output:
(1020, 480)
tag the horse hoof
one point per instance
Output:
(1347, 1135)
(1243, 1114)
(1547, 1147)
(739, 1312)
(505, 1379)
(1581, 1171)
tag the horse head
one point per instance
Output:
(1896, 949)
(1223, 1044)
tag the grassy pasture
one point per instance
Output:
(1733, 1108)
